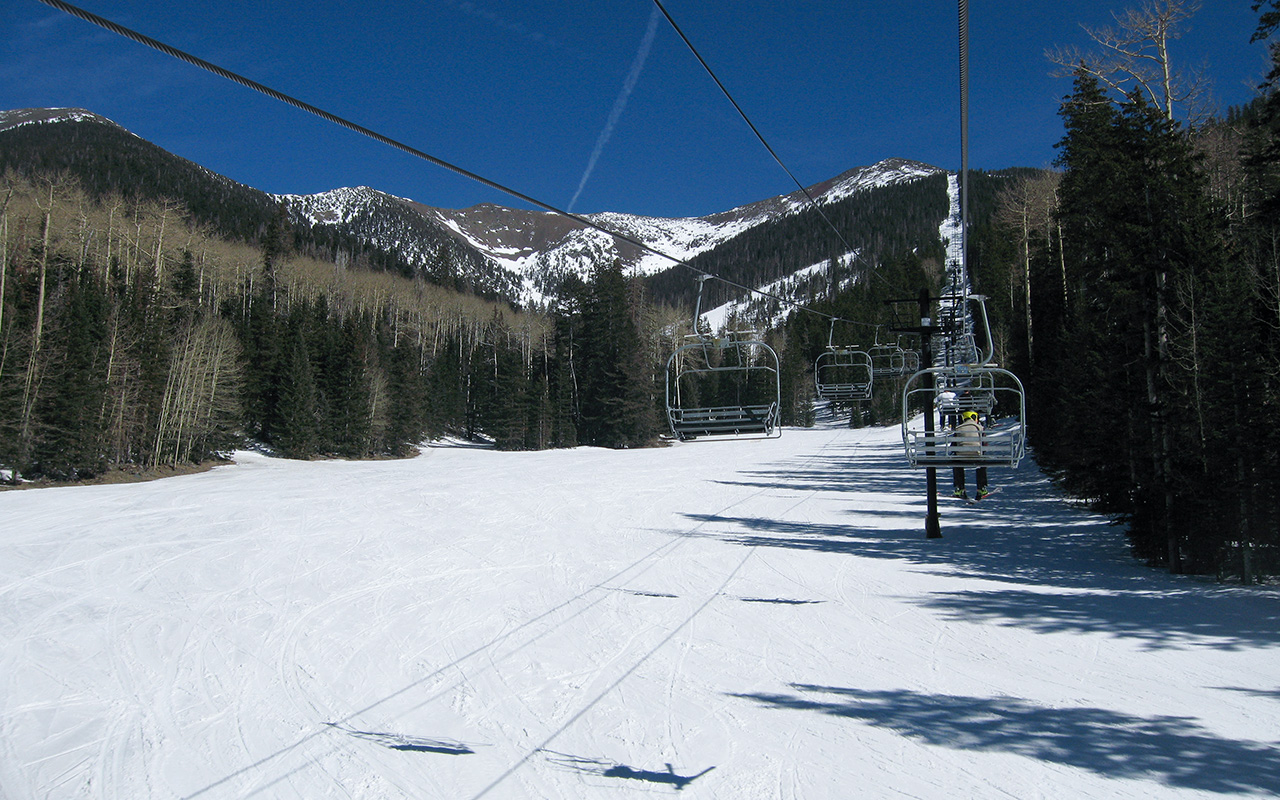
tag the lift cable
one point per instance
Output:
(848, 247)
(750, 124)
(140, 38)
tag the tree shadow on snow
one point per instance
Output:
(1173, 750)
(1158, 620)
(1026, 534)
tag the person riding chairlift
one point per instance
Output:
(967, 443)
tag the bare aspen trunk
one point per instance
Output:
(4, 266)
(1155, 346)
(31, 383)
(111, 216)
(1026, 274)
(44, 271)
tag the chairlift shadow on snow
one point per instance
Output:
(1175, 750)
(413, 744)
(1026, 535)
(608, 769)
(781, 601)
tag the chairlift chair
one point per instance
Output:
(887, 360)
(1001, 443)
(970, 388)
(843, 375)
(725, 386)
(742, 374)
(910, 361)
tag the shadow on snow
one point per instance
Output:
(412, 744)
(1173, 750)
(1025, 535)
(607, 769)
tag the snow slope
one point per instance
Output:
(758, 619)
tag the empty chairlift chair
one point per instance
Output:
(888, 360)
(724, 387)
(843, 375)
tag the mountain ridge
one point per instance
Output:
(543, 248)
(523, 256)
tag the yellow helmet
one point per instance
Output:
(969, 415)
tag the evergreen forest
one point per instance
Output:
(1136, 290)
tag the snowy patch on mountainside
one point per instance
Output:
(952, 233)
(883, 173)
(397, 225)
(35, 116)
(546, 248)
(337, 206)
(759, 310)
(679, 238)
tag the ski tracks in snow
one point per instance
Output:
(672, 630)
(490, 682)
(720, 619)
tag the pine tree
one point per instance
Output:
(69, 444)
(615, 383)
(1139, 235)
(298, 431)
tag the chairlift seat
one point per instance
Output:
(688, 423)
(736, 355)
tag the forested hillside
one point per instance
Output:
(130, 337)
(110, 163)
(880, 223)
(1135, 292)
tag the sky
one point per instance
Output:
(590, 106)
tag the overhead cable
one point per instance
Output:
(754, 129)
(140, 38)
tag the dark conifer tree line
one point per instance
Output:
(1134, 290)
(129, 338)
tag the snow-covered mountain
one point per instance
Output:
(35, 116)
(534, 251)
(520, 255)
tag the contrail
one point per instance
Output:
(621, 103)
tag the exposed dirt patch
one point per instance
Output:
(125, 474)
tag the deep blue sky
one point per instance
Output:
(520, 91)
